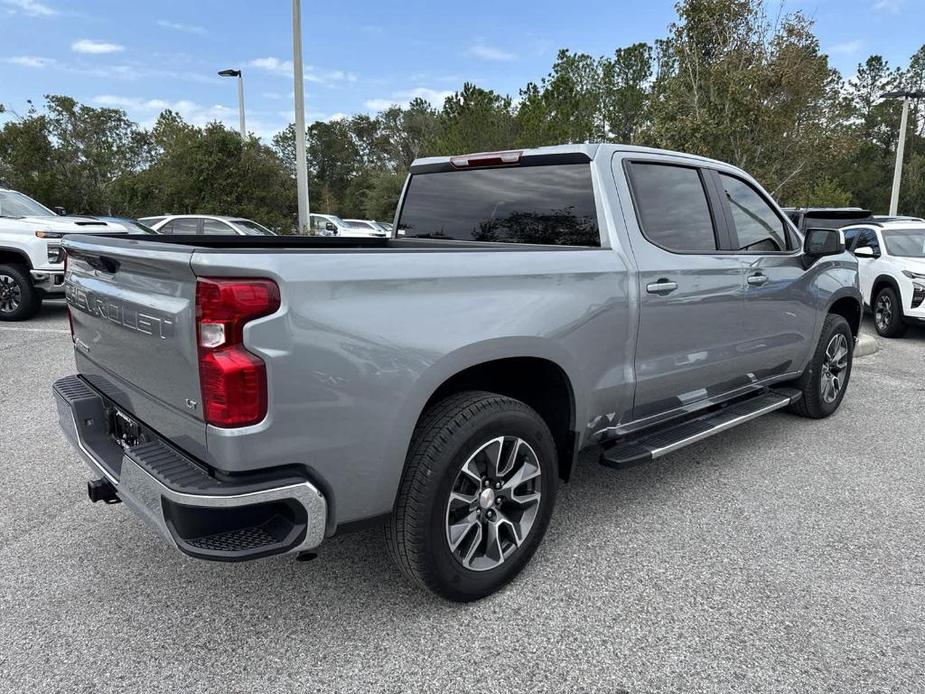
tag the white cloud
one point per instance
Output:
(178, 26)
(891, 6)
(403, 98)
(32, 8)
(95, 47)
(338, 117)
(484, 52)
(30, 61)
(310, 72)
(846, 47)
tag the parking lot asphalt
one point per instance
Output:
(785, 555)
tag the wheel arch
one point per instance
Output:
(532, 370)
(14, 256)
(850, 308)
(882, 281)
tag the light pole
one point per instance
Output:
(907, 97)
(240, 76)
(301, 165)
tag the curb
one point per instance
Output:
(865, 346)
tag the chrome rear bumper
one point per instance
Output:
(201, 515)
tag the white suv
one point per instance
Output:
(31, 256)
(891, 262)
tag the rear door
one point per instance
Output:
(132, 307)
(691, 299)
(779, 322)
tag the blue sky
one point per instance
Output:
(360, 56)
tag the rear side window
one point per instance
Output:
(216, 227)
(185, 225)
(757, 226)
(552, 205)
(672, 206)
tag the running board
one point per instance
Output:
(663, 441)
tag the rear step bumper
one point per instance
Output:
(201, 515)
(655, 443)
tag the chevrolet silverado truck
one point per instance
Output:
(252, 396)
(31, 255)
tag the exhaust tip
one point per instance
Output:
(102, 490)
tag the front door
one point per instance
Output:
(780, 318)
(691, 302)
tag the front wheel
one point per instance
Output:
(476, 497)
(888, 314)
(825, 380)
(18, 298)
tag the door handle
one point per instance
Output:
(757, 279)
(663, 286)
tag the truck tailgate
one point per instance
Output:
(133, 313)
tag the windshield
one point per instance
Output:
(252, 228)
(548, 204)
(13, 204)
(905, 243)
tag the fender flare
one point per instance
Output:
(4, 250)
(883, 279)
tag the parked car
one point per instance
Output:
(205, 225)
(249, 399)
(891, 260)
(332, 225)
(133, 226)
(825, 217)
(31, 256)
(369, 227)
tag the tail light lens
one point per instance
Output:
(233, 380)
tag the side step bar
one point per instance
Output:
(656, 443)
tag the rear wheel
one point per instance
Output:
(18, 298)
(825, 380)
(476, 497)
(888, 314)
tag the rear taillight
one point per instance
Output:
(233, 380)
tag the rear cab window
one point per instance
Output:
(548, 204)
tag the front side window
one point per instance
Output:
(905, 243)
(757, 226)
(868, 239)
(673, 208)
(850, 235)
(549, 205)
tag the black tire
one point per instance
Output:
(18, 298)
(814, 403)
(448, 435)
(888, 314)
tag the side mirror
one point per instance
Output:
(60, 211)
(330, 226)
(821, 242)
(865, 252)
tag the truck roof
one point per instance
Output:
(591, 150)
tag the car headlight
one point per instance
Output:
(49, 234)
(55, 253)
(914, 275)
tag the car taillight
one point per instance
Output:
(233, 380)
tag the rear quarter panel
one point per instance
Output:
(364, 339)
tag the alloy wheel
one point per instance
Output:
(883, 312)
(10, 294)
(834, 368)
(493, 503)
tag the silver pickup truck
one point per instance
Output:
(251, 396)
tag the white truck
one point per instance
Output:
(31, 256)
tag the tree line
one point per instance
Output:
(727, 81)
